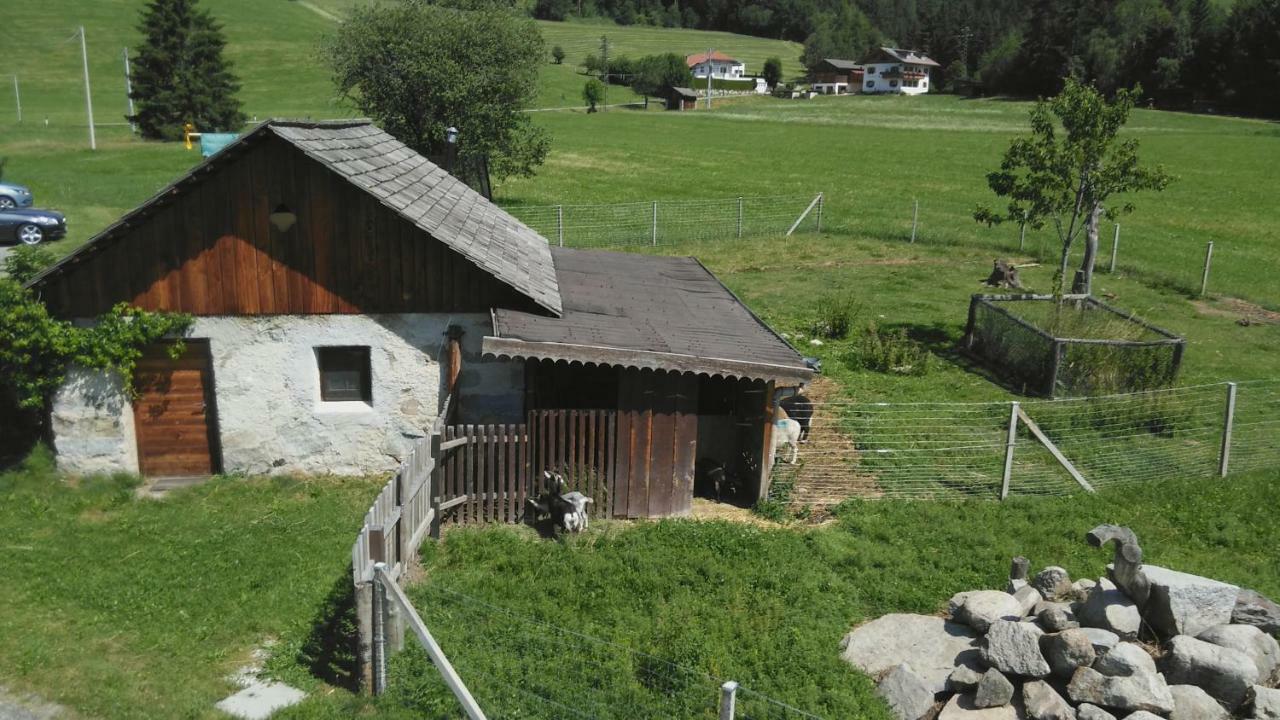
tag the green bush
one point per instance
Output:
(888, 351)
(26, 261)
(835, 316)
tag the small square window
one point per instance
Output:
(344, 374)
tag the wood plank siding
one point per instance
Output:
(210, 250)
(174, 413)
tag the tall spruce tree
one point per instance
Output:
(180, 74)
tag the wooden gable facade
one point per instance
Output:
(206, 246)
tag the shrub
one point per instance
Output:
(26, 261)
(888, 351)
(557, 54)
(835, 316)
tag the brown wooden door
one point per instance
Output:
(174, 412)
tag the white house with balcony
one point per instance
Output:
(894, 70)
(719, 65)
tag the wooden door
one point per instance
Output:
(174, 412)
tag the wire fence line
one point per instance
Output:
(666, 222)
(522, 666)
(1034, 447)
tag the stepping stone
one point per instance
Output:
(260, 699)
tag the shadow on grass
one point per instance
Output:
(942, 342)
(331, 649)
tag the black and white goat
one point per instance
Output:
(568, 510)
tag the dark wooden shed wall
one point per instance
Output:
(210, 250)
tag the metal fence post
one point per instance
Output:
(915, 220)
(822, 196)
(728, 699)
(1224, 457)
(379, 632)
(655, 223)
(1022, 234)
(1011, 438)
(739, 217)
(560, 224)
(1208, 260)
(1115, 248)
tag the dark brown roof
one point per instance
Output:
(685, 92)
(406, 182)
(643, 311)
(842, 64)
(914, 57)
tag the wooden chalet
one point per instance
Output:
(345, 291)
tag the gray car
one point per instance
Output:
(30, 226)
(14, 196)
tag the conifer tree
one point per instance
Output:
(180, 74)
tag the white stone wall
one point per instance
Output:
(92, 424)
(267, 388)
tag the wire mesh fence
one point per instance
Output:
(666, 222)
(1031, 448)
(518, 666)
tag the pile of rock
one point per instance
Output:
(1144, 642)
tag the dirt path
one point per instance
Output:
(829, 471)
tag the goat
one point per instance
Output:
(568, 510)
(786, 432)
(799, 408)
(711, 480)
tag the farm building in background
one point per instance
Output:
(893, 70)
(719, 65)
(682, 98)
(834, 77)
(343, 287)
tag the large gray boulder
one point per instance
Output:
(1259, 646)
(980, 608)
(1224, 673)
(1027, 597)
(1266, 703)
(1252, 608)
(1192, 703)
(1142, 715)
(1146, 691)
(932, 646)
(1055, 617)
(1044, 703)
(963, 679)
(1185, 604)
(993, 690)
(1103, 640)
(907, 694)
(961, 707)
(1108, 608)
(1013, 648)
(1067, 650)
(1053, 582)
(1125, 659)
(1092, 712)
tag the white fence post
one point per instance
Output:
(1224, 457)
(655, 223)
(915, 220)
(1208, 260)
(1115, 248)
(728, 699)
(1022, 234)
(739, 217)
(560, 224)
(1010, 439)
(821, 200)
(17, 98)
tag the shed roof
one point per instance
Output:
(700, 58)
(842, 64)
(685, 92)
(407, 183)
(642, 311)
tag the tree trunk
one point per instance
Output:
(1084, 281)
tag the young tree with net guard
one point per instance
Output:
(1068, 171)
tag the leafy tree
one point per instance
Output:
(593, 94)
(179, 73)
(417, 69)
(772, 72)
(845, 34)
(592, 64)
(657, 74)
(1069, 180)
(552, 9)
(26, 261)
(557, 54)
(1253, 64)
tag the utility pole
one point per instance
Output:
(128, 90)
(604, 70)
(88, 98)
(17, 98)
(710, 67)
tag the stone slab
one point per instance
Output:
(260, 700)
(1185, 604)
(932, 646)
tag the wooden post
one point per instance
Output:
(435, 488)
(821, 199)
(1208, 260)
(728, 700)
(766, 447)
(655, 223)
(1022, 234)
(1115, 248)
(1224, 457)
(379, 630)
(739, 217)
(1010, 439)
(915, 220)
(1055, 365)
(1053, 450)
(560, 224)
(364, 624)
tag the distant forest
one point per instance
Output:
(1206, 55)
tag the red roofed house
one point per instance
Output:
(716, 63)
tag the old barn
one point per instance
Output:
(346, 291)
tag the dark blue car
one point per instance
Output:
(30, 226)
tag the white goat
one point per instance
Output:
(786, 432)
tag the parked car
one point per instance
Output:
(30, 226)
(14, 196)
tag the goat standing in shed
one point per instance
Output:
(786, 432)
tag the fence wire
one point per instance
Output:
(958, 450)
(526, 667)
(666, 222)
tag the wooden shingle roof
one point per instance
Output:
(641, 311)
